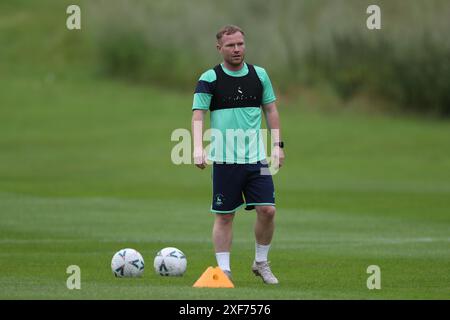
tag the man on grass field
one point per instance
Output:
(236, 93)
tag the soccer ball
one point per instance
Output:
(170, 262)
(127, 263)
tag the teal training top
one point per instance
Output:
(229, 145)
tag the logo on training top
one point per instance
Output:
(238, 96)
(219, 199)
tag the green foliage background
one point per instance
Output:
(300, 43)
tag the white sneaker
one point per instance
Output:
(262, 269)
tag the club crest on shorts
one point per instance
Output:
(219, 199)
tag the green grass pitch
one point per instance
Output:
(85, 170)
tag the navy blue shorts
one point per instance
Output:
(232, 183)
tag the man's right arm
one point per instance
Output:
(197, 132)
(202, 100)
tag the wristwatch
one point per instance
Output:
(280, 144)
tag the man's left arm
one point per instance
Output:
(273, 124)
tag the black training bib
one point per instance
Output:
(236, 92)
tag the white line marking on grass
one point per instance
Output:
(302, 240)
(356, 241)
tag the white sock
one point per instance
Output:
(223, 260)
(261, 252)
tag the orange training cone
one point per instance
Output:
(213, 278)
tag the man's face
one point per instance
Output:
(232, 48)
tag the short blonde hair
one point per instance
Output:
(228, 29)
